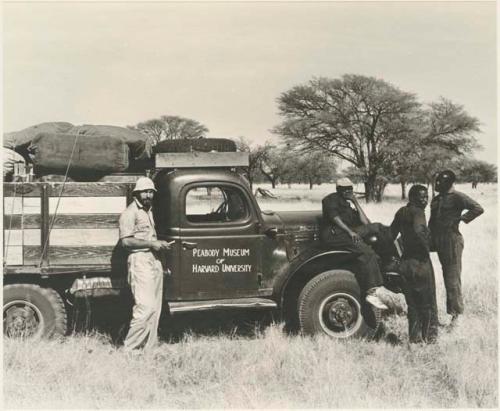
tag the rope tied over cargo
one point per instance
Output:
(58, 200)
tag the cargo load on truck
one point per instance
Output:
(15, 139)
(100, 150)
(92, 155)
(138, 143)
(60, 151)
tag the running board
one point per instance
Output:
(178, 307)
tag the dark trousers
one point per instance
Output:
(366, 270)
(449, 247)
(420, 293)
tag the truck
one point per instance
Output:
(61, 243)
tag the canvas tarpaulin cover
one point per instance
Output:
(137, 142)
(95, 154)
(18, 138)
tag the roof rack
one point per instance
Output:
(201, 159)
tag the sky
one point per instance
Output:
(225, 64)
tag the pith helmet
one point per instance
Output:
(344, 182)
(143, 184)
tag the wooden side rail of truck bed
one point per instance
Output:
(57, 225)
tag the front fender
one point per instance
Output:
(312, 259)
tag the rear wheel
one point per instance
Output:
(30, 311)
(330, 303)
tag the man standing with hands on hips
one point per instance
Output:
(145, 269)
(446, 214)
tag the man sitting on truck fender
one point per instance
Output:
(344, 224)
(145, 270)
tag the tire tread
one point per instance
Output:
(54, 299)
(344, 278)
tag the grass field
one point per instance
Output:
(266, 368)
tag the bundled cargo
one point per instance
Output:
(138, 143)
(15, 139)
(90, 156)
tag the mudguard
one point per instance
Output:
(313, 255)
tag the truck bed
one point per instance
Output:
(56, 224)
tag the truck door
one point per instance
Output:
(220, 253)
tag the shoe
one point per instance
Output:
(376, 302)
(390, 299)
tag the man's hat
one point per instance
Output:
(143, 184)
(344, 182)
(447, 175)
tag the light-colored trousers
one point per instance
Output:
(145, 276)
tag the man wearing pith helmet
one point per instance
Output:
(342, 219)
(145, 270)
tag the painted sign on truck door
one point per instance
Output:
(220, 243)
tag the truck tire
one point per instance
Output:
(330, 303)
(30, 311)
(195, 144)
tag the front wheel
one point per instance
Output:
(330, 303)
(30, 311)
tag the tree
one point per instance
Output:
(273, 164)
(314, 168)
(355, 118)
(448, 126)
(171, 127)
(476, 171)
(354, 174)
(255, 156)
(403, 160)
(372, 125)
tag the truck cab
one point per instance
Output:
(226, 254)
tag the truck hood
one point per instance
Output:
(298, 226)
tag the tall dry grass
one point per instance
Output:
(270, 369)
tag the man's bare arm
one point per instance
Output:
(339, 223)
(473, 209)
(132, 243)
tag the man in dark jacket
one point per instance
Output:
(446, 214)
(416, 266)
(344, 225)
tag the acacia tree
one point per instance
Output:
(372, 125)
(443, 139)
(274, 163)
(171, 127)
(314, 168)
(476, 171)
(255, 156)
(355, 118)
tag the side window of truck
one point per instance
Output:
(216, 204)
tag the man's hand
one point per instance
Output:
(353, 199)
(356, 239)
(349, 195)
(159, 245)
